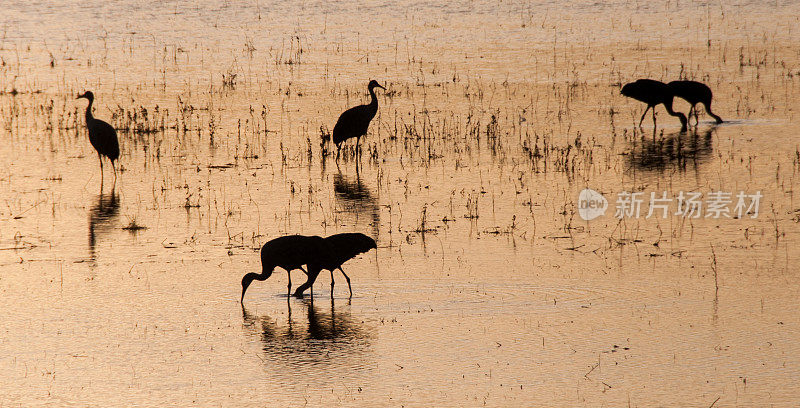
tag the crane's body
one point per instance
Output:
(354, 122)
(290, 252)
(653, 93)
(102, 136)
(345, 247)
(694, 92)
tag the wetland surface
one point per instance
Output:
(487, 286)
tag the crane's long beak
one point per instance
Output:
(244, 289)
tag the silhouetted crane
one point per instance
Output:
(102, 136)
(290, 252)
(694, 92)
(652, 93)
(355, 121)
(345, 247)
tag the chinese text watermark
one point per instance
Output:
(686, 204)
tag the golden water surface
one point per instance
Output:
(487, 286)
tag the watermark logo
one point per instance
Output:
(591, 204)
(690, 204)
(687, 204)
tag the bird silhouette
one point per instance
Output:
(694, 92)
(290, 252)
(355, 121)
(652, 93)
(345, 247)
(102, 136)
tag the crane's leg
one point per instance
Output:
(289, 287)
(358, 146)
(338, 150)
(312, 276)
(306, 272)
(645, 113)
(115, 171)
(101, 167)
(348, 281)
(332, 283)
(654, 117)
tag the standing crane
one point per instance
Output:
(345, 247)
(102, 136)
(355, 121)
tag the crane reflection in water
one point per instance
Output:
(355, 198)
(101, 216)
(321, 346)
(676, 151)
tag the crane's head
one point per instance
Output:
(246, 281)
(88, 95)
(375, 84)
(627, 89)
(250, 277)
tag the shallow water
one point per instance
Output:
(487, 287)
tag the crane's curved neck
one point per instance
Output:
(374, 101)
(89, 116)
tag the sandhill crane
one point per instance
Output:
(290, 252)
(102, 136)
(652, 93)
(355, 121)
(694, 92)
